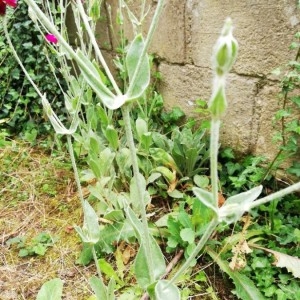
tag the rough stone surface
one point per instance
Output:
(183, 43)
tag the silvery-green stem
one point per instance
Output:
(51, 27)
(96, 263)
(76, 174)
(128, 131)
(214, 146)
(208, 232)
(291, 189)
(147, 43)
(96, 47)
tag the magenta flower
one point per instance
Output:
(3, 3)
(51, 38)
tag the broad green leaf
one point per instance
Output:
(135, 222)
(139, 79)
(134, 192)
(162, 157)
(112, 136)
(184, 218)
(108, 270)
(153, 177)
(168, 174)
(39, 249)
(166, 290)
(106, 161)
(187, 235)
(98, 288)
(141, 127)
(141, 267)
(90, 232)
(93, 78)
(201, 181)
(206, 198)
(111, 289)
(146, 141)
(176, 194)
(245, 288)
(237, 205)
(51, 290)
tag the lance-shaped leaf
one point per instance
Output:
(206, 198)
(244, 286)
(142, 271)
(141, 267)
(90, 232)
(237, 205)
(93, 78)
(51, 290)
(55, 121)
(98, 288)
(166, 290)
(138, 68)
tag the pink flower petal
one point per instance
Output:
(2, 8)
(51, 38)
(12, 3)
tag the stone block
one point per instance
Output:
(264, 30)
(169, 39)
(182, 85)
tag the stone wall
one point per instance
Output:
(183, 43)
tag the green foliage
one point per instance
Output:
(20, 105)
(51, 290)
(287, 117)
(186, 224)
(240, 174)
(36, 246)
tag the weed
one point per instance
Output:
(36, 246)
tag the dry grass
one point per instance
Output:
(37, 195)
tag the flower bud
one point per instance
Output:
(225, 51)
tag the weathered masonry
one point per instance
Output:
(183, 42)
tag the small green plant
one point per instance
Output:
(287, 117)
(36, 246)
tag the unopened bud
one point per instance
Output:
(225, 51)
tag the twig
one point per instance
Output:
(169, 268)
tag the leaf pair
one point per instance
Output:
(233, 208)
(138, 68)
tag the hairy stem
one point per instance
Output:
(128, 131)
(214, 146)
(96, 47)
(291, 189)
(96, 263)
(147, 43)
(75, 170)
